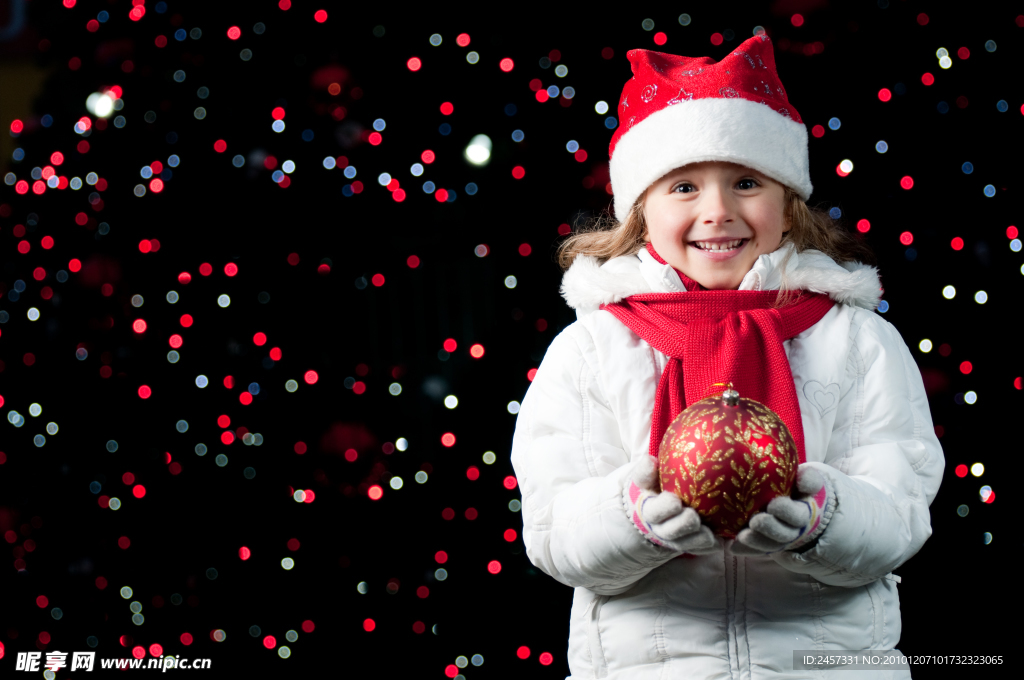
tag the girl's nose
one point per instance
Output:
(717, 206)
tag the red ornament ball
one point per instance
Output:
(726, 457)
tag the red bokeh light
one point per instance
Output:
(451, 670)
(277, 114)
(518, 172)
(524, 652)
(907, 182)
(138, 491)
(175, 341)
(476, 351)
(320, 16)
(506, 65)
(359, 387)
(966, 367)
(310, 377)
(375, 138)
(546, 658)
(234, 33)
(510, 482)
(223, 421)
(922, 19)
(414, 64)
(510, 535)
(259, 339)
(797, 20)
(961, 470)
(245, 398)
(227, 436)
(885, 94)
(1011, 232)
(186, 320)
(530, 374)
(473, 473)
(542, 96)
(441, 556)
(716, 39)
(184, 278)
(963, 53)
(441, 195)
(308, 626)
(427, 156)
(863, 226)
(928, 79)
(244, 553)
(422, 592)
(447, 108)
(957, 243)
(413, 261)
(42, 601)
(450, 345)
(375, 492)
(206, 269)
(275, 353)
(186, 639)
(220, 146)
(377, 280)
(124, 543)
(448, 439)
(139, 326)
(494, 566)
(269, 642)
(906, 238)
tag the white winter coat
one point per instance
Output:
(638, 612)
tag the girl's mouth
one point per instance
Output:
(718, 245)
(719, 249)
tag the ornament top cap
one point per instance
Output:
(730, 396)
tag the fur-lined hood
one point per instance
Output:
(587, 285)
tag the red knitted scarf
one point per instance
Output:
(712, 337)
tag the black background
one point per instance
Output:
(210, 211)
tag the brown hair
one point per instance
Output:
(810, 228)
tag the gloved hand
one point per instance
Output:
(661, 517)
(789, 523)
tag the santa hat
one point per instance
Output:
(679, 110)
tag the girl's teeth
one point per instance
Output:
(728, 245)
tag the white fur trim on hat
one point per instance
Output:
(735, 130)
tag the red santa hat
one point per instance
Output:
(679, 110)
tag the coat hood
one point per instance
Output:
(587, 284)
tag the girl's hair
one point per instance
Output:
(809, 229)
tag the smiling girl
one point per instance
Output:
(716, 270)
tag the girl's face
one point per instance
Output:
(712, 220)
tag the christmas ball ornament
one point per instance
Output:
(726, 457)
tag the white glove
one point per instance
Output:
(661, 517)
(790, 523)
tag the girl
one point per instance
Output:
(710, 175)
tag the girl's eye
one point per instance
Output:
(684, 184)
(752, 181)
